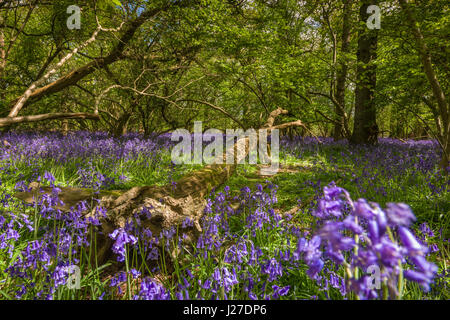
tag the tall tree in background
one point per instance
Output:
(365, 128)
(442, 114)
(342, 72)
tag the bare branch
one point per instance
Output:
(21, 102)
(74, 76)
(216, 108)
(47, 116)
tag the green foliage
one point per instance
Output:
(245, 57)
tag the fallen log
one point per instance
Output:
(169, 205)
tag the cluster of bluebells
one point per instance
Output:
(229, 261)
(151, 290)
(244, 264)
(91, 178)
(100, 159)
(83, 145)
(407, 163)
(52, 247)
(121, 240)
(349, 239)
(358, 235)
(247, 265)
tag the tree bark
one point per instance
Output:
(342, 72)
(47, 116)
(122, 125)
(365, 129)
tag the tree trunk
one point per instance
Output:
(4, 122)
(122, 125)
(365, 129)
(2, 63)
(65, 127)
(342, 72)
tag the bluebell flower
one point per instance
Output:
(410, 242)
(252, 296)
(363, 209)
(122, 238)
(150, 290)
(424, 228)
(135, 273)
(273, 268)
(350, 224)
(399, 214)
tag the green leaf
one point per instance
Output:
(116, 2)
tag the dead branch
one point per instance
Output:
(47, 116)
